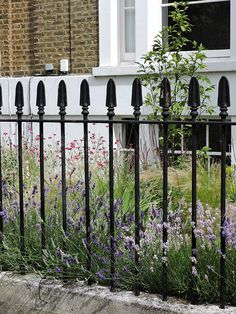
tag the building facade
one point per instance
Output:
(103, 39)
(35, 33)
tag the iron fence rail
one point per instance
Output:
(111, 103)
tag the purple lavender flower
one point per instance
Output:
(101, 274)
(129, 243)
(4, 215)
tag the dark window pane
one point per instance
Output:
(129, 134)
(215, 137)
(210, 24)
(201, 137)
(174, 136)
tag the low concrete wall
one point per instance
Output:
(31, 294)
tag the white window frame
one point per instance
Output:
(147, 25)
(148, 21)
(124, 56)
(217, 53)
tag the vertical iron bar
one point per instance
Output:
(165, 102)
(19, 103)
(1, 209)
(194, 103)
(137, 102)
(223, 103)
(85, 103)
(62, 103)
(40, 103)
(111, 104)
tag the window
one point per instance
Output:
(127, 30)
(207, 135)
(210, 21)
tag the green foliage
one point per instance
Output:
(167, 59)
(65, 253)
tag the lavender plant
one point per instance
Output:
(65, 254)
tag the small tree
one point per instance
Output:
(166, 59)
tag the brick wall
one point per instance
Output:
(5, 38)
(35, 32)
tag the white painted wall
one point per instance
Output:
(97, 108)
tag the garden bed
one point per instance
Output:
(65, 253)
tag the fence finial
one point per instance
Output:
(111, 98)
(194, 97)
(41, 100)
(84, 97)
(165, 97)
(0, 99)
(19, 99)
(223, 97)
(137, 99)
(62, 98)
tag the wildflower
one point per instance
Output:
(4, 215)
(194, 271)
(210, 267)
(101, 274)
(193, 259)
(129, 243)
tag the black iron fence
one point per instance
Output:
(136, 102)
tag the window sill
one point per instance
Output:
(213, 65)
(122, 70)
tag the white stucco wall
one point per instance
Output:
(97, 109)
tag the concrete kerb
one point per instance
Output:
(31, 294)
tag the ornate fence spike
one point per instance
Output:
(41, 99)
(19, 99)
(111, 98)
(223, 97)
(0, 99)
(84, 97)
(85, 103)
(165, 97)
(165, 103)
(223, 103)
(62, 98)
(137, 99)
(111, 104)
(194, 97)
(194, 103)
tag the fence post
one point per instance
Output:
(165, 103)
(19, 104)
(194, 103)
(111, 104)
(137, 102)
(85, 103)
(1, 209)
(223, 103)
(62, 103)
(40, 103)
